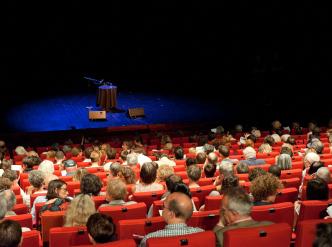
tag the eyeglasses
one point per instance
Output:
(64, 189)
(163, 207)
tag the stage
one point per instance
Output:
(70, 112)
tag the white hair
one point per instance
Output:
(324, 173)
(47, 167)
(132, 159)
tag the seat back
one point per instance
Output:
(306, 232)
(158, 205)
(50, 220)
(31, 238)
(311, 209)
(204, 219)
(68, 236)
(291, 182)
(120, 243)
(202, 192)
(275, 235)
(277, 213)
(21, 209)
(206, 238)
(287, 195)
(139, 226)
(212, 202)
(148, 197)
(25, 220)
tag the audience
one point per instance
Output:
(101, 229)
(10, 234)
(148, 175)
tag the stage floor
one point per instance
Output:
(71, 112)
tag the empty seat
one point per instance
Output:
(275, 235)
(206, 238)
(148, 197)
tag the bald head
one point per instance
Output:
(180, 204)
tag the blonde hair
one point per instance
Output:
(116, 189)
(79, 210)
(79, 173)
(164, 172)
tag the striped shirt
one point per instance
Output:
(170, 231)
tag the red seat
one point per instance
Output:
(275, 235)
(287, 195)
(291, 182)
(180, 162)
(277, 213)
(265, 167)
(243, 177)
(34, 196)
(148, 197)
(204, 219)
(19, 199)
(120, 243)
(311, 209)
(139, 226)
(304, 192)
(21, 209)
(98, 200)
(212, 202)
(31, 239)
(50, 220)
(17, 190)
(25, 220)
(68, 236)
(293, 173)
(206, 238)
(71, 186)
(306, 232)
(202, 192)
(158, 205)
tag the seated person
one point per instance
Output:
(37, 181)
(116, 193)
(242, 167)
(10, 234)
(12, 176)
(70, 167)
(250, 157)
(209, 170)
(235, 213)
(284, 161)
(323, 235)
(91, 185)
(9, 201)
(79, 210)
(264, 189)
(79, 174)
(163, 173)
(256, 172)
(127, 175)
(29, 162)
(194, 174)
(101, 229)
(275, 171)
(177, 210)
(148, 175)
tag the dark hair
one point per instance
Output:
(201, 158)
(323, 235)
(31, 161)
(178, 153)
(101, 228)
(291, 140)
(269, 140)
(286, 150)
(91, 184)
(182, 188)
(148, 172)
(252, 137)
(53, 186)
(317, 189)
(229, 182)
(10, 174)
(223, 150)
(275, 170)
(194, 173)
(191, 161)
(209, 170)
(256, 172)
(172, 181)
(10, 233)
(315, 166)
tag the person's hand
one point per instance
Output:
(29, 190)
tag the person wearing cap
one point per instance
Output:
(250, 155)
(70, 166)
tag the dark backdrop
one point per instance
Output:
(260, 57)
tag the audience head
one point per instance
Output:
(10, 234)
(57, 189)
(70, 165)
(265, 148)
(323, 235)
(132, 159)
(114, 169)
(47, 167)
(256, 172)
(284, 161)
(91, 184)
(235, 205)
(148, 173)
(229, 182)
(172, 181)
(101, 228)
(210, 170)
(286, 150)
(164, 172)
(194, 173)
(314, 167)
(208, 148)
(127, 175)
(10, 198)
(79, 210)
(116, 190)
(275, 170)
(316, 145)
(190, 161)
(30, 161)
(201, 158)
(178, 153)
(5, 184)
(324, 174)
(226, 169)
(249, 153)
(269, 140)
(20, 150)
(79, 173)
(310, 158)
(224, 151)
(178, 208)
(242, 167)
(37, 179)
(265, 188)
(317, 189)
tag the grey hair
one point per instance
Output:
(324, 173)
(36, 178)
(132, 159)
(239, 201)
(226, 168)
(284, 162)
(10, 199)
(3, 205)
